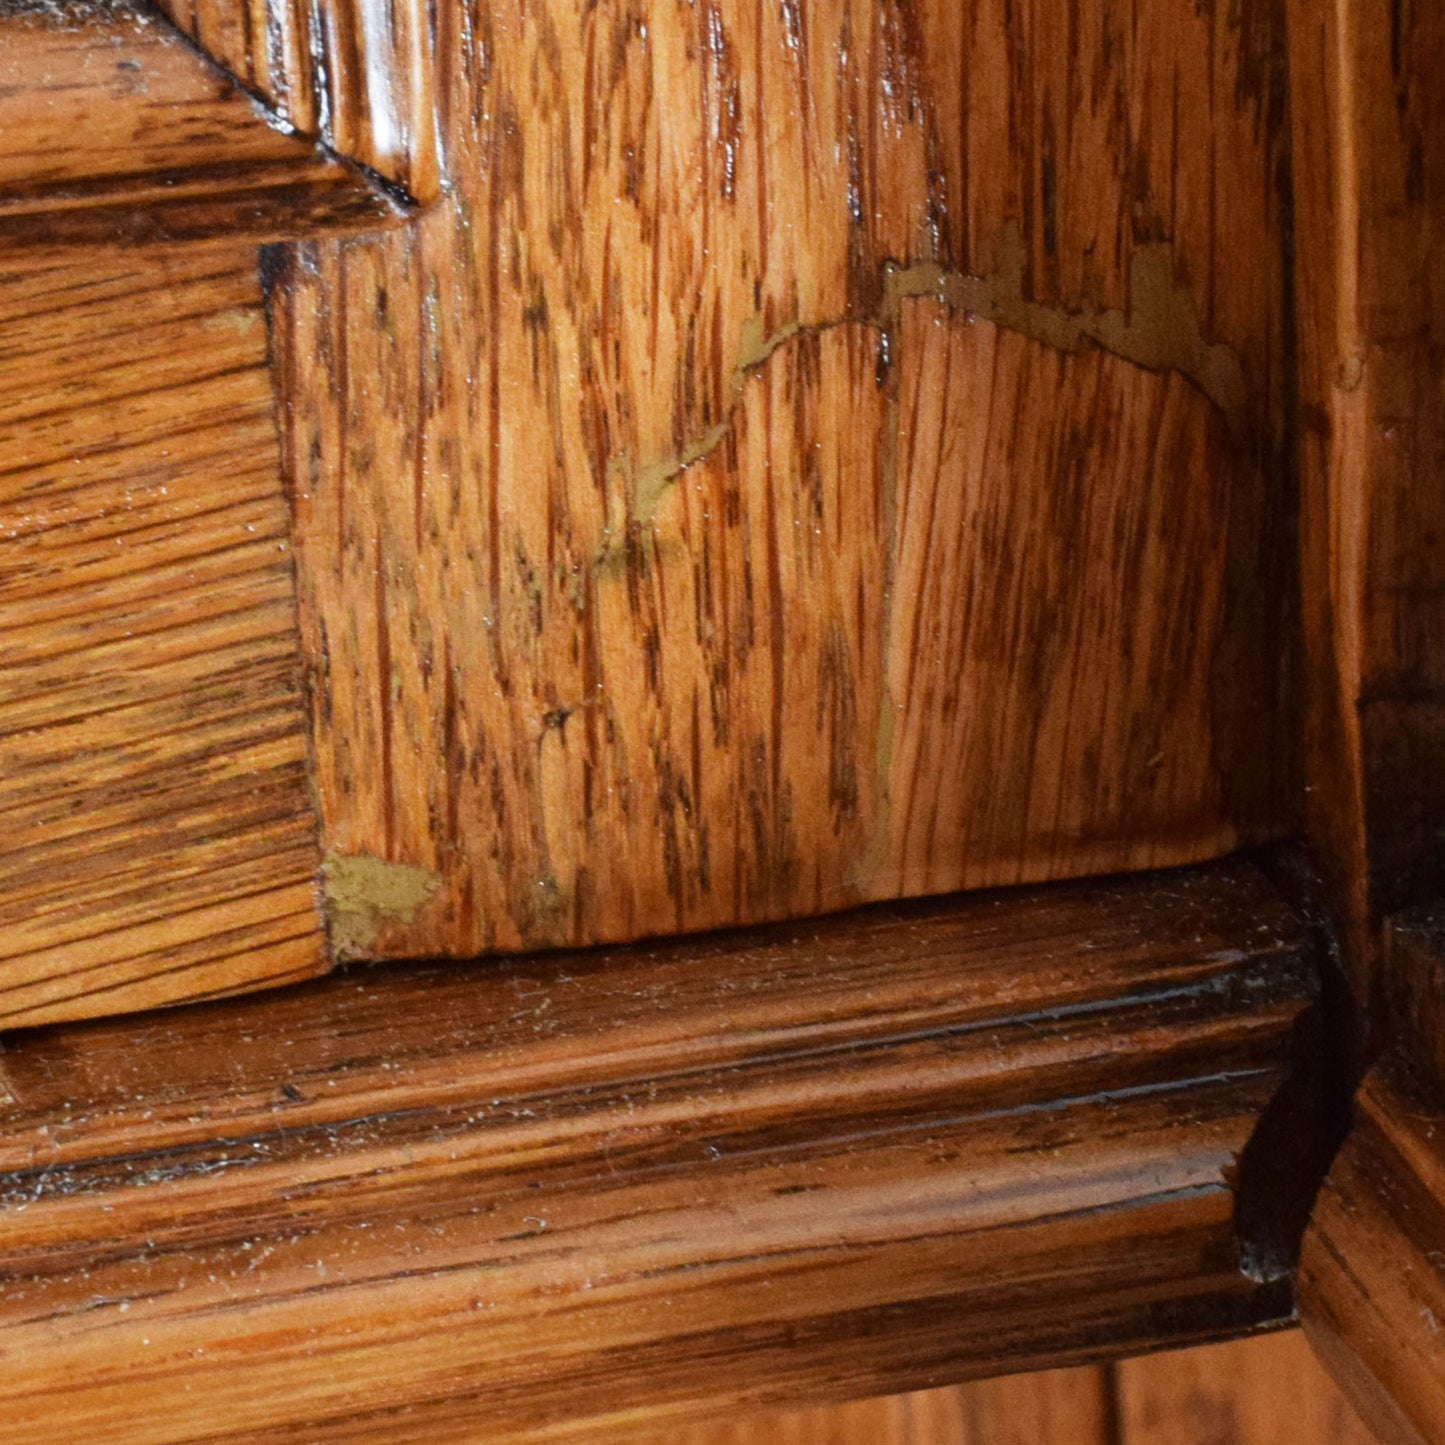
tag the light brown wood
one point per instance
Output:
(1049, 1407)
(158, 838)
(810, 454)
(1368, 101)
(117, 132)
(881, 1151)
(1372, 1273)
(353, 74)
(1264, 1391)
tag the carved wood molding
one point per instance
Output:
(914, 1144)
(354, 75)
(649, 579)
(118, 132)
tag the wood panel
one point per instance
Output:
(355, 75)
(1368, 97)
(1050, 1407)
(159, 842)
(118, 132)
(903, 1147)
(811, 454)
(1264, 1391)
(1372, 1272)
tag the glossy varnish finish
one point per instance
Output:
(528, 1200)
(117, 132)
(1368, 100)
(158, 838)
(811, 454)
(1266, 1390)
(353, 74)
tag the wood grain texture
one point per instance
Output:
(1049, 1407)
(1414, 987)
(888, 1151)
(1368, 100)
(159, 842)
(1372, 1272)
(811, 454)
(1264, 1391)
(355, 75)
(118, 132)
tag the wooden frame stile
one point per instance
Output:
(1368, 98)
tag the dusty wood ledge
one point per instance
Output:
(117, 130)
(550, 1194)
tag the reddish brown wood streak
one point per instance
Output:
(1249, 1392)
(1267, 1390)
(1372, 1284)
(1370, 190)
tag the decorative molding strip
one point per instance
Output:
(537, 1197)
(118, 131)
(354, 74)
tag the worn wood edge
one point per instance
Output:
(1372, 1268)
(324, 69)
(294, 188)
(1414, 987)
(917, 1144)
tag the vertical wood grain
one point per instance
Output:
(1368, 101)
(159, 840)
(689, 506)
(1269, 1390)
(1049, 1407)
(1372, 1270)
(118, 133)
(355, 74)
